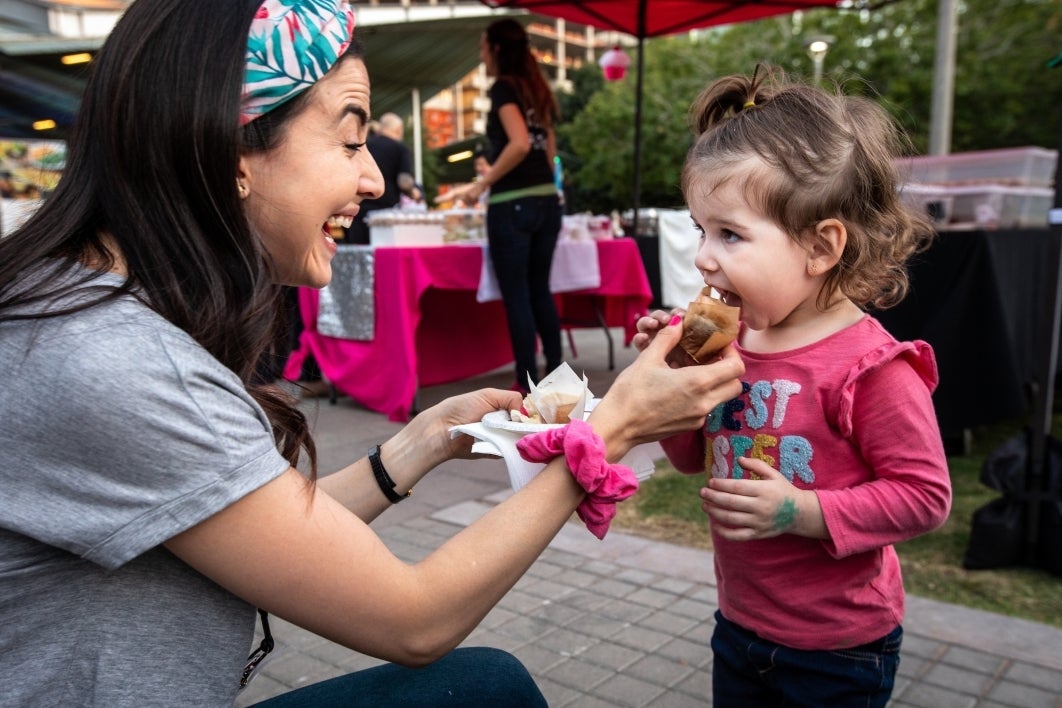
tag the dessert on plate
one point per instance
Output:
(558, 398)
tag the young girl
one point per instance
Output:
(831, 454)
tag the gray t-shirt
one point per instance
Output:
(119, 431)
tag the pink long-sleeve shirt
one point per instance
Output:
(850, 417)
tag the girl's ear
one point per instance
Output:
(825, 252)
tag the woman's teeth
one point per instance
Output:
(340, 221)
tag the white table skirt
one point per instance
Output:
(575, 267)
(680, 281)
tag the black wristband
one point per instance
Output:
(387, 485)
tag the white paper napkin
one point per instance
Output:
(502, 443)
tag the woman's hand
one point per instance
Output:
(422, 445)
(474, 191)
(749, 509)
(650, 400)
(431, 428)
(466, 193)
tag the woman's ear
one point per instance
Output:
(243, 175)
(830, 239)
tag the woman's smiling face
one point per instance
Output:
(316, 177)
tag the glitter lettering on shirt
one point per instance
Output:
(761, 403)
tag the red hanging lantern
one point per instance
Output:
(614, 62)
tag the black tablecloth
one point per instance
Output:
(983, 300)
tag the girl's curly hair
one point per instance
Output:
(805, 154)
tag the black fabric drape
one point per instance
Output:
(980, 299)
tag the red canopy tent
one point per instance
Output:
(656, 18)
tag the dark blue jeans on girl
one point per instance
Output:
(751, 672)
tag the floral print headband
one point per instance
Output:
(291, 45)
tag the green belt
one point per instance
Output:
(539, 190)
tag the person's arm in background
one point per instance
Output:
(515, 150)
(406, 184)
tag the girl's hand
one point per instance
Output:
(748, 509)
(649, 325)
(650, 400)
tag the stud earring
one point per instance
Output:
(813, 268)
(241, 188)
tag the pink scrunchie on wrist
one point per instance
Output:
(584, 452)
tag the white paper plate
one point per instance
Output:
(500, 420)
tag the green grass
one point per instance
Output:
(932, 564)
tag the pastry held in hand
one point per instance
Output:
(709, 325)
(559, 398)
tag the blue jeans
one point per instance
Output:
(476, 676)
(522, 234)
(749, 672)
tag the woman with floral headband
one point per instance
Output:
(150, 500)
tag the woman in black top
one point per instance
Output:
(524, 210)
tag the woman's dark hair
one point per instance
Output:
(516, 64)
(151, 171)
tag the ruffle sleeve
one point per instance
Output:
(918, 354)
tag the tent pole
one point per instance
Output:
(418, 157)
(636, 182)
(943, 78)
(636, 187)
(1038, 476)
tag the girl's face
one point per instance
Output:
(748, 259)
(316, 177)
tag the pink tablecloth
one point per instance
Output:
(430, 329)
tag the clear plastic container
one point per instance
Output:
(406, 234)
(934, 201)
(404, 227)
(995, 206)
(1012, 167)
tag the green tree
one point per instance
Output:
(586, 81)
(602, 134)
(1005, 96)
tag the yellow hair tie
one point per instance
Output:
(749, 104)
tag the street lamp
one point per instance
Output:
(817, 48)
